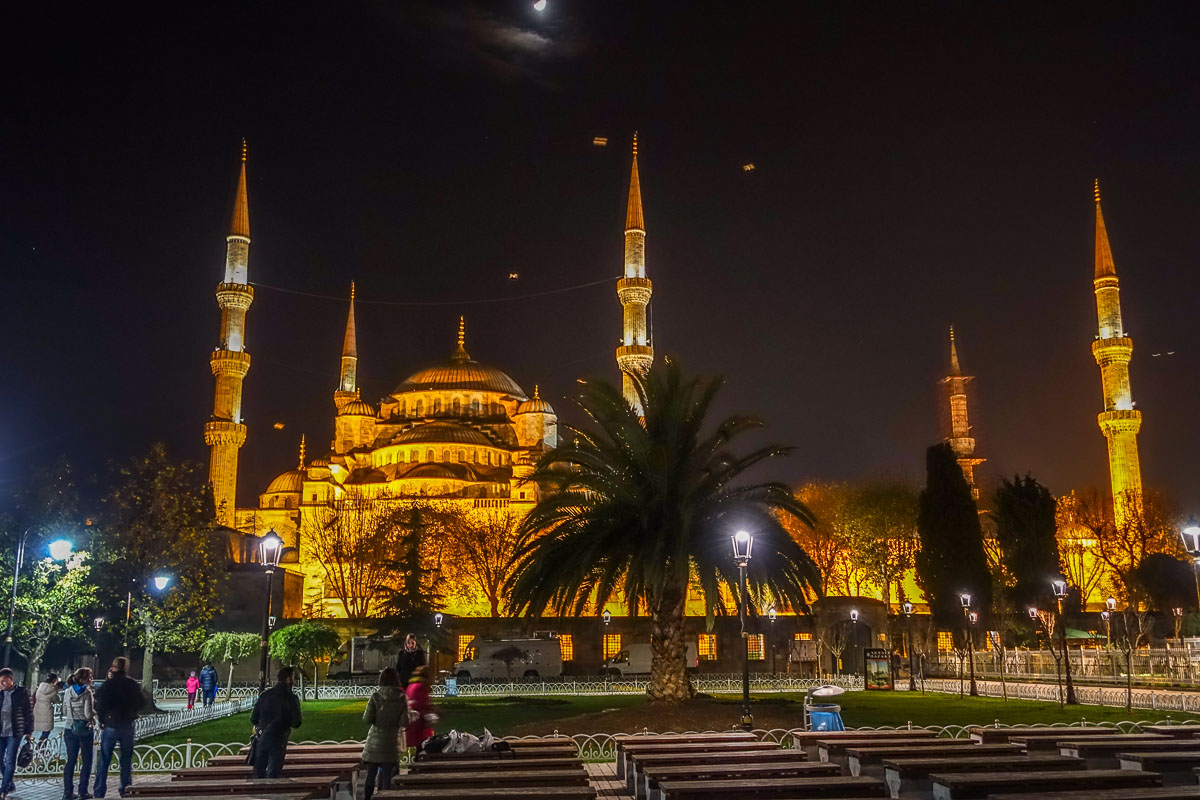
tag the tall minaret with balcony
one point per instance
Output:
(1112, 349)
(225, 433)
(635, 355)
(959, 434)
(348, 382)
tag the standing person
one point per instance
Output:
(275, 715)
(79, 712)
(418, 700)
(411, 657)
(16, 723)
(44, 699)
(208, 683)
(386, 714)
(193, 686)
(118, 702)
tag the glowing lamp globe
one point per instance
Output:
(907, 608)
(161, 582)
(1191, 538)
(965, 599)
(60, 550)
(607, 615)
(437, 619)
(1033, 613)
(540, 5)
(854, 615)
(771, 613)
(743, 545)
(974, 617)
(271, 548)
(1105, 615)
(1111, 603)
(1060, 587)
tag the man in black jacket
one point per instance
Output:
(411, 657)
(118, 701)
(275, 714)
(16, 723)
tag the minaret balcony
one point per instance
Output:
(1119, 421)
(230, 362)
(224, 432)
(1118, 348)
(635, 358)
(635, 290)
(235, 295)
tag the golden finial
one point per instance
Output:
(535, 392)
(635, 144)
(243, 151)
(351, 291)
(1096, 189)
(462, 332)
(302, 452)
(952, 333)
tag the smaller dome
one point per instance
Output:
(535, 405)
(319, 461)
(291, 481)
(357, 408)
(443, 433)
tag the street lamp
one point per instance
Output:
(1178, 612)
(1191, 543)
(907, 608)
(162, 582)
(854, 632)
(771, 616)
(743, 545)
(270, 549)
(98, 623)
(1060, 594)
(437, 620)
(607, 617)
(971, 617)
(60, 550)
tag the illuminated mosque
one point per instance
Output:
(464, 432)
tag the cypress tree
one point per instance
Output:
(1025, 530)
(951, 560)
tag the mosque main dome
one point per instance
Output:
(461, 373)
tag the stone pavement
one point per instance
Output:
(52, 788)
(603, 778)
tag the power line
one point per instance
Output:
(360, 299)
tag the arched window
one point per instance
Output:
(457, 407)
(475, 406)
(420, 408)
(404, 408)
(429, 455)
(445, 456)
(437, 405)
(460, 457)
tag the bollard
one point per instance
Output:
(187, 758)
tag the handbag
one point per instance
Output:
(252, 751)
(25, 756)
(80, 728)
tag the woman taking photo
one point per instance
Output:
(386, 713)
(79, 713)
(43, 706)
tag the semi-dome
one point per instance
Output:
(535, 405)
(461, 373)
(291, 481)
(357, 408)
(443, 433)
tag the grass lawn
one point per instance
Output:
(342, 719)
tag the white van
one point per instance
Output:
(505, 659)
(635, 660)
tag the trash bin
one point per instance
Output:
(825, 717)
(452, 688)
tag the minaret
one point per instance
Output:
(225, 433)
(348, 383)
(635, 355)
(960, 438)
(1112, 349)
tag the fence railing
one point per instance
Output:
(1154, 699)
(1156, 666)
(48, 759)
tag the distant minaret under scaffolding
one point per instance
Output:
(635, 355)
(960, 438)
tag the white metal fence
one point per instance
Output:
(1150, 666)
(1153, 699)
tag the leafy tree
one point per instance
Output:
(52, 605)
(951, 559)
(158, 519)
(640, 504)
(825, 539)
(305, 642)
(510, 655)
(1146, 527)
(879, 522)
(1026, 529)
(1164, 582)
(233, 648)
(483, 554)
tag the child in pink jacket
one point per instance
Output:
(193, 686)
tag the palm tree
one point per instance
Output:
(647, 504)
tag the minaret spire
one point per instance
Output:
(460, 350)
(225, 433)
(958, 435)
(1113, 350)
(348, 382)
(635, 355)
(302, 448)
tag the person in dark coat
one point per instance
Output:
(411, 657)
(16, 723)
(275, 715)
(208, 684)
(119, 700)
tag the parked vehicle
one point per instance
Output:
(635, 660)
(510, 658)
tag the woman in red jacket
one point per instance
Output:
(419, 708)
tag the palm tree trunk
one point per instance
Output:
(668, 653)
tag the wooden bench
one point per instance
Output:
(292, 758)
(869, 760)
(1101, 753)
(341, 747)
(1176, 768)
(1050, 743)
(331, 771)
(807, 740)
(963, 785)
(675, 738)
(493, 793)
(568, 749)
(255, 796)
(487, 778)
(630, 750)
(535, 762)
(841, 787)
(650, 777)
(909, 776)
(1003, 733)
(1158, 793)
(1176, 731)
(636, 780)
(309, 787)
(835, 751)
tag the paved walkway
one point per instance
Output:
(603, 778)
(52, 788)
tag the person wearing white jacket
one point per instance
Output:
(43, 706)
(79, 712)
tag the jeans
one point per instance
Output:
(191, 700)
(385, 772)
(110, 736)
(78, 747)
(9, 747)
(210, 695)
(268, 756)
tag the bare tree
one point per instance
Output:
(825, 542)
(481, 555)
(1146, 526)
(355, 541)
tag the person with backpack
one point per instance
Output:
(16, 724)
(387, 714)
(79, 713)
(275, 715)
(208, 683)
(118, 703)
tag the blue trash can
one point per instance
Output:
(825, 717)
(452, 688)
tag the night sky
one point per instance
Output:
(917, 166)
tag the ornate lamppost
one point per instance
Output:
(854, 634)
(907, 608)
(965, 599)
(743, 545)
(270, 549)
(1060, 594)
(771, 614)
(60, 550)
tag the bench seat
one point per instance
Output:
(1102, 753)
(1157, 793)
(807, 740)
(501, 777)
(871, 759)
(964, 785)
(339, 747)
(568, 749)
(255, 796)
(532, 762)
(1175, 731)
(787, 788)
(635, 777)
(1002, 733)
(1176, 768)
(310, 787)
(1052, 743)
(292, 758)
(675, 738)
(652, 776)
(836, 751)
(289, 771)
(909, 776)
(493, 793)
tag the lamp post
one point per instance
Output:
(1191, 543)
(60, 550)
(854, 634)
(270, 548)
(160, 583)
(970, 616)
(907, 608)
(1034, 616)
(743, 545)
(771, 614)
(1060, 594)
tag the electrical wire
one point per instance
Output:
(361, 299)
